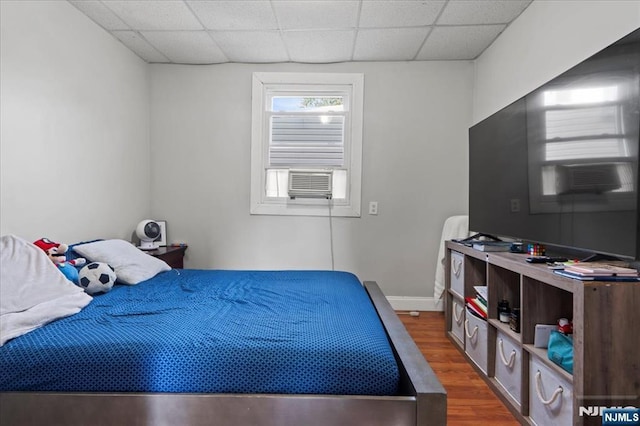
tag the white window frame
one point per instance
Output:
(265, 83)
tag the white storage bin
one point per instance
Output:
(457, 272)
(475, 342)
(508, 366)
(457, 319)
(550, 396)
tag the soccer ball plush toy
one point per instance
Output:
(97, 277)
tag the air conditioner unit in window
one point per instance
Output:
(587, 178)
(310, 183)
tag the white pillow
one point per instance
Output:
(131, 264)
(33, 290)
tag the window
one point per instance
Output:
(579, 146)
(309, 122)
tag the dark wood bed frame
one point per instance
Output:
(421, 401)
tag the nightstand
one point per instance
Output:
(173, 255)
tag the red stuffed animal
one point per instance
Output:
(56, 253)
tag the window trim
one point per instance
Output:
(262, 83)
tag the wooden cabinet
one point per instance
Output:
(606, 324)
(173, 255)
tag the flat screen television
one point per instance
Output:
(560, 165)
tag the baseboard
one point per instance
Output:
(400, 303)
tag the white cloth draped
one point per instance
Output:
(454, 227)
(33, 291)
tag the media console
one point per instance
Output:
(606, 333)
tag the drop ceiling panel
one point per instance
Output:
(320, 46)
(466, 12)
(186, 47)
(251, 46)
(314, 14)
(470, 41)
(235, 15)
(383, 14)
(308, 31)
(396, 44)
(155, 15)
(140, 46)
(101, 14)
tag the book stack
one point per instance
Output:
(478, 305)
(492, 245)
(595, 271)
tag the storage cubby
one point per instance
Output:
(503, 285)
(475, 274)
(508, 366)
(457, 320)
(456, 273)
(475, 341)
(463, 273)
(605, 316)
(543, 304)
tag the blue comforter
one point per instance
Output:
(196, 331)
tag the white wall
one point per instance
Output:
(414, 165)
(74, 135)
(548, 38)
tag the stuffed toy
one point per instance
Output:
(56, 253)
(97, 277)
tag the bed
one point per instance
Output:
(222, 347)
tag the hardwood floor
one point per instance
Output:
(469, 399)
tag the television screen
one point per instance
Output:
(560, 165)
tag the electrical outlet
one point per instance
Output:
(515, 205)
(373, 207)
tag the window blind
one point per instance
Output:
(583, 122)
(306, 140)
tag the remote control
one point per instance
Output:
(545, 259)
(555, 266)
(538, 259)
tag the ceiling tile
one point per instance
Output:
(305, 15)
(101, 15)
(235, 15)
(471, 12)
(310, 31)
(140, 46)
(377, 13)
(186, 47)
(155, 15)
(393, 44)
(252, 46)
(320, 46)
(463, 42)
